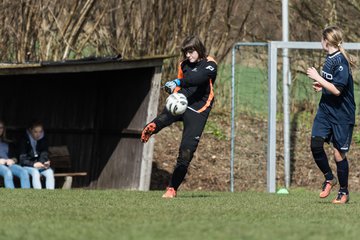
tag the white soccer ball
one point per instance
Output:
(176, 103)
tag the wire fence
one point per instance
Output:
(251, 116)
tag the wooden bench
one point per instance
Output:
(60, 162)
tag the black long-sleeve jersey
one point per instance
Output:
(196, 83)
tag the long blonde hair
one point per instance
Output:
(334, 36)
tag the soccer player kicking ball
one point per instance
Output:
(335, 118)
(196, 76)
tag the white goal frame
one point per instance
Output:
(273, 47)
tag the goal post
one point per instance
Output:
(273, 47)
(271, 94)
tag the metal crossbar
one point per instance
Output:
(273, 47)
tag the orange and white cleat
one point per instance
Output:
(341, 198)
(327, 186)
(170, 193)
(148, 131)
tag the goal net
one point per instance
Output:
(270, 142)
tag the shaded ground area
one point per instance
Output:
(210, 168)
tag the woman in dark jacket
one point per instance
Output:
(33, 155)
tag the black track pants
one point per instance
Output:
(194, 124)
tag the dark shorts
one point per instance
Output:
(338, 134)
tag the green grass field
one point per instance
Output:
(115, 214)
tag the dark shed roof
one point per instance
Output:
(100, 121)
(81, 65)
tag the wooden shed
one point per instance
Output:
(97, 107)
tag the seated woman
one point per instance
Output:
(8, 166)
(33, 155)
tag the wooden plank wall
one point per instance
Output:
(91, 119)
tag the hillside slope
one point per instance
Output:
(210, 168)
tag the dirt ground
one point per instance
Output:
(210, 168)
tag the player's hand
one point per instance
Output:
(38, 165)
(317, 87)
(10, 162)
(171, 85)
(312, 73)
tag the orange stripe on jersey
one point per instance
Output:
(210, 98)
(211, 94)
(180, 74)
(211, 59)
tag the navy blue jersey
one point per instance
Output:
(196, 83)
(338, 109)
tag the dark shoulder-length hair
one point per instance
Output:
(192, 43)
(35, 123)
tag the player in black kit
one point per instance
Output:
(195, 79)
